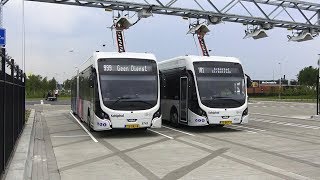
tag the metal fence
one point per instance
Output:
(12, 108)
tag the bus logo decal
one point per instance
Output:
(117, 115)
(131, 120)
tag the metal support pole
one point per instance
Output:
(3, 74)
(203, 45)
(1, 14)
(280, 82)
(13, 102)
(120, 41)
(318, 20)
(318, 94)
(318, 79)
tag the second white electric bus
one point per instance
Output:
(200, 90)
(117, 90)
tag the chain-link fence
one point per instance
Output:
(12, 108)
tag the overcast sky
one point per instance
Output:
(53, 30)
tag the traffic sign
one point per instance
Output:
(2, 37)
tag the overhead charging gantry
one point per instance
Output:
(300, 17)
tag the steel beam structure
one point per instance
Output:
(308, 13)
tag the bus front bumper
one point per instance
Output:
(156, 122)
(106, 124)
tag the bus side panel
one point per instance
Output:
(166, 106)
(170, 92)
(84, 94)
(74, 95)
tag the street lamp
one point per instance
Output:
(318, 79)
(280, 80)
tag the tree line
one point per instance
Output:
(38, 86)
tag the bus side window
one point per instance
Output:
(248, 80)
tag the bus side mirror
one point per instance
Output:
(249, 81)
(91, 80)
(92, 77)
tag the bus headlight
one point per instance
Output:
(103, 115)
(157, 114)
(245, 112)
(202, 112)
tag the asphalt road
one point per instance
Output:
(279, 142)
(31, 103)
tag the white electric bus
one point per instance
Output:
(117, 90)
(200, 91)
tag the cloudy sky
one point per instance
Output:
(52, 31)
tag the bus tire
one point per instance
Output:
(88, 120)
(174, 117)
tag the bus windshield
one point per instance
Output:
(128, 84)
(220, 84)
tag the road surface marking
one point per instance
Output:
(288, 124)
(272, 115)
(161, 134)
(238, 128)
(256, 129)
(85, 129)
(70, 136)
(178, 130)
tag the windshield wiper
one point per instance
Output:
(119, 99)
(142, 102)
(227, 98)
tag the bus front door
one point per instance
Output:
(183, 99)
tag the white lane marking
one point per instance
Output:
(256, 129)
(252, 132)
(178, 131)
(85, 129)
(272, 115)
(288, 124)
(291, 175)
(237, 128)
(70, 136)
(161, 134)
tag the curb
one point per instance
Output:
(315, 117)
(21, 165)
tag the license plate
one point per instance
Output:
(226, 122)
(132, 126)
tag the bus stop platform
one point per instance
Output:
(54, 145)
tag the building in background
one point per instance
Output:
(268, 87)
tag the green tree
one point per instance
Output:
(308, 76)
(52, 84)
(67, 84)
(33, 84)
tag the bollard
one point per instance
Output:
(41, 101)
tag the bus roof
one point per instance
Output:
(99, 55)
(187, 61)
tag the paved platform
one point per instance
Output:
(279, 142)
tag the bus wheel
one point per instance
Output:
(174, 118)
(88, 120)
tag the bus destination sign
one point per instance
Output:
(217, 70)
(126, 68)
